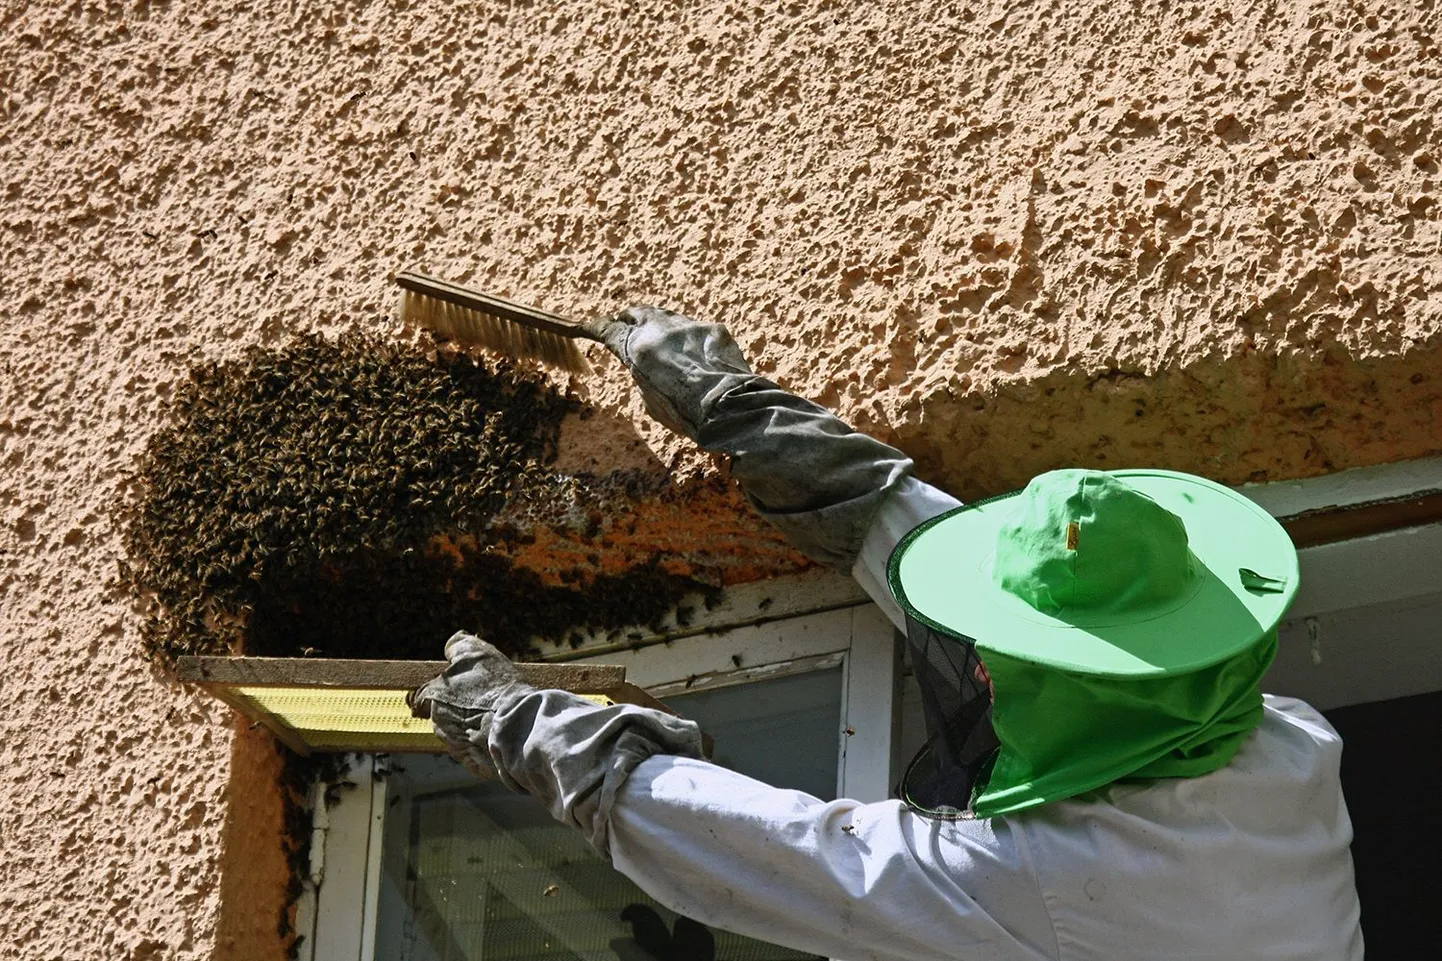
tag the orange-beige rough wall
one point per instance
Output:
(1007, 235)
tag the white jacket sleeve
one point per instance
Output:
(839, 878)
(908, 504)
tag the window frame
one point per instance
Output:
(849, 632)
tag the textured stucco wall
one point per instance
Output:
(1008, 235)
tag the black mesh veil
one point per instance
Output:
(960, 744)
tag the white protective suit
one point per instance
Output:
(1249, 861)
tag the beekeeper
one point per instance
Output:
(1103, 777)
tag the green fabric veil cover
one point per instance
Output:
(1125, 618)
(1063, 734)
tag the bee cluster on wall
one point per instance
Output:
(333, 498)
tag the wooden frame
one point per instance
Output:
(227, 678)
(1329, 526)
(388, 675)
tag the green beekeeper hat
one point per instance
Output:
(1125, 618)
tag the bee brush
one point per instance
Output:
(472, 318)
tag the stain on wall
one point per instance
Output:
(1222, 215)
(257, 886)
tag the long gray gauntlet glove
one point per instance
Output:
(802, 468)
(463, 702)
(571, 754)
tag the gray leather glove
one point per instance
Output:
(462, 702)
(677, 362)
(571, 754)
(802, 468)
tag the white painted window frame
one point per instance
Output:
(338, 909)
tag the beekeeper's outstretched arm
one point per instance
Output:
(842, 498)
(837, 878)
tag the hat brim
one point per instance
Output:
(940, 575)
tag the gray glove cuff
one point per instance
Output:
(802, 468)
(574, 755)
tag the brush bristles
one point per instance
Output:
(476, 328)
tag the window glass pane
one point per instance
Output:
(784, 732)
(471, 871)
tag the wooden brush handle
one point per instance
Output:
(498, 306)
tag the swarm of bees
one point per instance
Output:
(333, 498)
